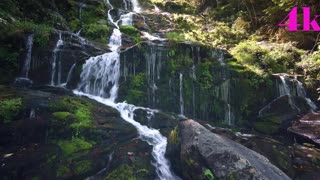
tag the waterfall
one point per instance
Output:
(99, 80)
(81, 6)
(110, 16)
(32, 113)
(102, 73)
(69, 75)
(54, 62)
(223, 92)
(284, 90)
(135, 6)
(126, 19)
(220, 56)
(181, 95)
(302, 93)
(27, 61)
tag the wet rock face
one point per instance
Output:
(75, 50)
(307, 129)
(205, 152)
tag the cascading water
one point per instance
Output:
(54, 62)
(302, 93)
(110, 18)
(24, 79)
(26, 66)
(100, 80)
(285, 90)
(69, 75)
(135, 6)
(181, 94)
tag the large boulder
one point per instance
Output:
(202, 154)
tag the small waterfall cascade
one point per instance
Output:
(100, 75)
(69, 75)
(223, 92)
(302, 93)
(285, 90)
(99, 80)
(153, 65)
(27, 61)
(135, 6)
(181, 101)
(32, 113)
(110, 18)
(81, 6)
(297, 89)
(24, 79)
(220, 56)
(55, 81)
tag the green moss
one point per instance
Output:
(41, 31)
(9, 109)
(61, 115)
(96, 32)
(132, 32)
(174, 136)
(82, 166)
(136, 93)
(69, 104)
(175, 36)
(142, 172)
(78, 108)
(205, 76)
(74, 145)
(179, 60)
(62, 170)
(208, 174)
(123, 172)
(268, 125)
(260, 59)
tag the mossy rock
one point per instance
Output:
(62, 115)
(131, 31)
(9, 109)
(62, 171)
(268, 125)
(76, 144)
(123, 172)
(82, 167)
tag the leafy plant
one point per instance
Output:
(131, 31)
(9, 109)
(209, 175)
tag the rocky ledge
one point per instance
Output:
(307, 128)
(202, 154)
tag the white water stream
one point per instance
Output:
(100, 82)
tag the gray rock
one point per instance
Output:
(203, 150)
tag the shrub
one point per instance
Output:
(96, 32)
(132, 32)
(124, 171)
(175, 36)
(9, 109)
(257, 57)
(41, 31)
